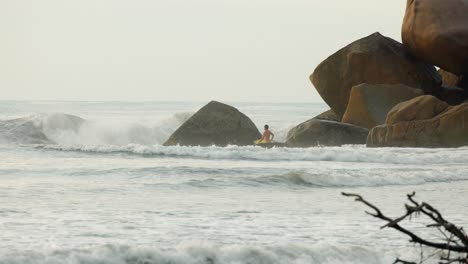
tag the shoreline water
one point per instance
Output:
(97, 197)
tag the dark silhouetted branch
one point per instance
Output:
(456, 240)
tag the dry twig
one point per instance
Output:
(456, 240)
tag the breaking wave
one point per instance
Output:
(351, 153)
(191, 253)
(65, 129)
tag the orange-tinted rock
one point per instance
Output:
(419, 108)
(421, 133)
(369, 103)
(423, 122)
(436, 31)
(375, 60)
(453, 128)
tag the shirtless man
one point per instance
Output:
(267, 135)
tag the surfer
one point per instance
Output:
(267, 136)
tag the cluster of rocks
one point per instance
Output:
(381, 92)
(394, 89)
(424, 121)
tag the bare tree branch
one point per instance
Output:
(403, 261)
(455, 237)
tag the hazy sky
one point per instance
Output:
(236, 50)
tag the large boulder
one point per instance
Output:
(423, 122)
(436, 31)
(316, 132)
(369, 103)
(215, 124)
(375, 60)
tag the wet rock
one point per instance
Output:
(316, 132)
(215, 124)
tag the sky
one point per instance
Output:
(178, 50)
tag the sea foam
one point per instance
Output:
(202, 253)
(350, 153)
(65, 129)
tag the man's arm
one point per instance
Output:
(272, 136)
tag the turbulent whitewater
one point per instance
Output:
(90, 182)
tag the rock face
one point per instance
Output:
(449, 79)
(454, 88)
(329, 115)
(423, 122)
(327, 133)
(436, 31)
(215, 124)
(375, 60)
(452, 95)
(464, 82)
(420, 108)
(369, 104)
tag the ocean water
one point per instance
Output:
(89, 182)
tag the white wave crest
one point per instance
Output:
(34, 128)
(351, 153)
(67, 129)
(348, 166)
(202, 253)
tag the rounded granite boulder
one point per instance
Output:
(215, 124)
(375, 59)
(436, 31)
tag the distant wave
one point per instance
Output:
(361, 179)
(65, 129)
(352, 153)
(203, 253)
(309, 179)
(350, 166)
